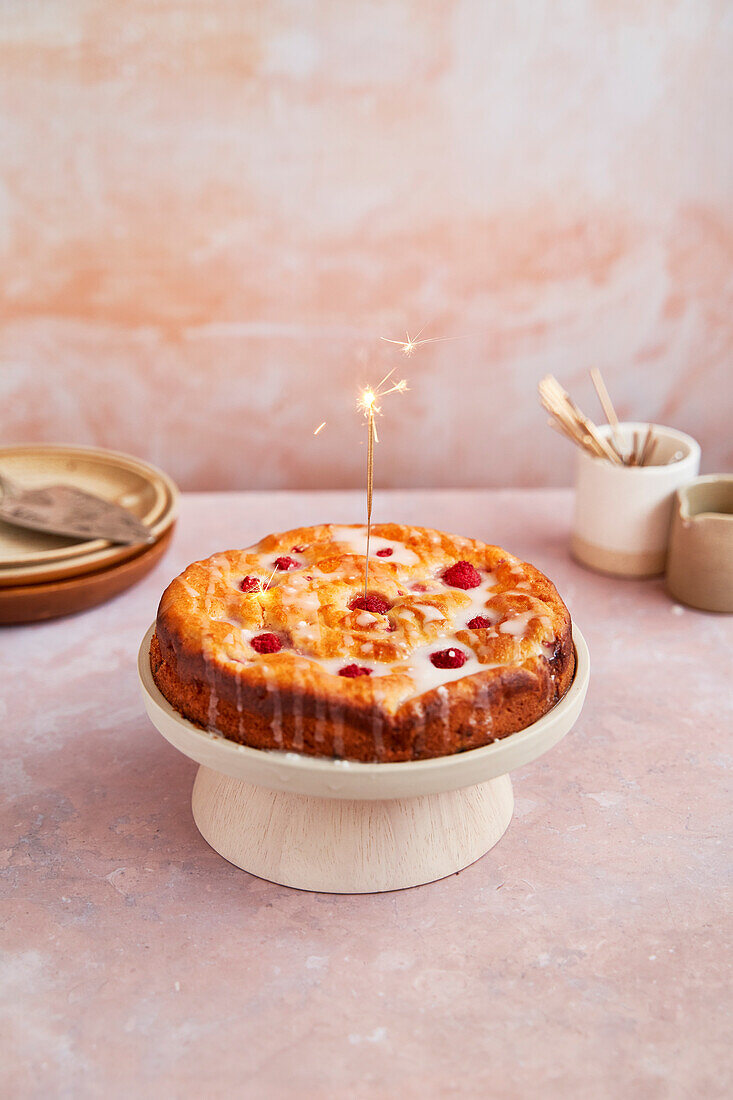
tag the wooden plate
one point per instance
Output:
(33, 602)
(121, 478)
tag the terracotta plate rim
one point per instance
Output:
(30, 603)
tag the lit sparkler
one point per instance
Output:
(368, 404)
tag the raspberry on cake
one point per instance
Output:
(266, 643)
(353, 671)
(462, 575)
(284, 563)
(376, 604)
(310, 664)
(448, 658)
(479, 622)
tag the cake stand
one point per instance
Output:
(344, 827)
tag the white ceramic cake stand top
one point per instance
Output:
(347, 827)
(328, 778)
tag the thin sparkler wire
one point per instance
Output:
(370, 487)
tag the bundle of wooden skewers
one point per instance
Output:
(567, 419)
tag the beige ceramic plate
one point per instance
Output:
(83, 564)
(26, 555)
(116, 477)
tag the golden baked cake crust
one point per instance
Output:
(459, 643)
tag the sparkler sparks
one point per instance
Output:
(269, 582)
(320, 428)
(369, 398)
(261, 586)
(409, 345)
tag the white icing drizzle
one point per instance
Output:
(320, 712)
(355, 538)
(366, 618)
(430, 614)
(444, 696)
(267, 564)
(425, 676)
(238, 698)
(477, 602)
(273, 692)
(481, 706)
(298, 595)
(377, 724)
(189, 589)
(336, 721)
(297, 698)
(517, 624)
(333, 665)
(215, 575)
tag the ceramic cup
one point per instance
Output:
(700, 559)
(622, 513)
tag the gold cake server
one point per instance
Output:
(66, 510)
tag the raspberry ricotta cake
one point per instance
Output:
(456, 644)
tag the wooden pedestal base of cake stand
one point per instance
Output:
(342, 827)
(342, 845)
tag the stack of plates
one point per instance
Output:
(43, 576)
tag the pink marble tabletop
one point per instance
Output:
(584, 956)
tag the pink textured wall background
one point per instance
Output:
(210, 210)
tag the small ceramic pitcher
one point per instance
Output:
(700, 560)
(622, 513)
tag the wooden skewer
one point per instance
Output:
(571, 421)
(557, 404)
(572, 430)
(646, 447)
(608, 410)
(582, 441)
(590, 429)
(635, 452)
(599, 440)
(617, 452)
(563, 416)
